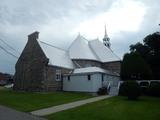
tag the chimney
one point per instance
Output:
(33, 36)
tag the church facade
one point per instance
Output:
(43, 67)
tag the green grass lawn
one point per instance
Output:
(115, 108)
(32, 101)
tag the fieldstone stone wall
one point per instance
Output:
(51, 84)
(112, 66)
(30, 67)
(32, 70)
(86, 63)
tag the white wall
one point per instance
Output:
(113, 80)
(82, 84)
(97, 82)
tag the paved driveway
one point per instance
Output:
(11, 114)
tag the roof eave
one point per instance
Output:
(61, 67)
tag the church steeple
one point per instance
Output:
(106, 39)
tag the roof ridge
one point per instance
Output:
(82, 42)
(114, 53)
(93, 51)
(100, 56)
(84, 38)
(75, 40)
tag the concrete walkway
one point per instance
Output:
(62, 107)
(11, 114)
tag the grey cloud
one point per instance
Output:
(55, 19)
(39, 11)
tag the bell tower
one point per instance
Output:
(106, 39)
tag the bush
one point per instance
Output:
(102, 91)
(123, 89)
(154, 89)
(131, 89)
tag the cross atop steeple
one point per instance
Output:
(106, 39)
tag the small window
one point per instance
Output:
(89, 77)
(68, 78)
(58, 75)
(102, 77)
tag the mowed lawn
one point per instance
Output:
(27, 102)
(115, 108)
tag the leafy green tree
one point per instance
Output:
(134, 67)
(153, 43)
(140, 48)
(149, 51)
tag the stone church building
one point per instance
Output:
(43, 67)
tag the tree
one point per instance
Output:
(140, 48)
(149, 51)
(153, 43)
(134, 67)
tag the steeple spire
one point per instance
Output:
(105, 32)
(106, 39)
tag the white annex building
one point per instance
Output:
(85, 66)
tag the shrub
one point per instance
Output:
(123, 89)
(154, 89)
(102, 91)
(131, 89)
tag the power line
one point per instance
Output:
(52, 46)
(8, 52)
(8, 45)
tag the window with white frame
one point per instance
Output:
(58, 75)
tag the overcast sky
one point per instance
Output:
(60, 21)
